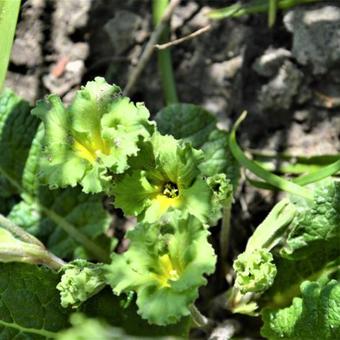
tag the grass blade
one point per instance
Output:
(9, 10)
(267, 176)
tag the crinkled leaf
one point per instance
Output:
(218, 158)
(165, 266)
(30, 181)
(29, 303)
(85, 212)
(17, 129)
(92, 138)
(116, 312)
(314, 315)
(291, 273)
(317, 223)
(186, 121)
(195, 125)
(169, 179)
(27, 216)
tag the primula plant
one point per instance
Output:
(72, 172)
(178, 187)
(105, 145)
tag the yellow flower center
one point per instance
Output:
(169, 196)
(89, 150)
(167, 271)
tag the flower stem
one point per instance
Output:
(225, 232)
(199, 319)
(18, 232)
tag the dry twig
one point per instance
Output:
(185, 38)
(150, 46)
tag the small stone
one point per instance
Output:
(269, 63)
(76, 66)
(26, 86)
(183, 13)
(225, 330)
(301, 115)
(227, 69)
(316, 36)
(121, 30)
(280, 91)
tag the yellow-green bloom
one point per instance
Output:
(92, 138)
(165, 265)
(165, 176)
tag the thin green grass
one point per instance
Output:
(164, 56)
(268, 177)
(9, 10)
(256, 6)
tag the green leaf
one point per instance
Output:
(186, 121)
(317, 223)
(93, 138)
(169, 179)
(291, 273)
(314, 315)
(17, 130)
(165, 266)
(195, 125)
(85, 328)
(113, 310)
(272, 230)
(27, 216)
(29, 303)
(85, 212)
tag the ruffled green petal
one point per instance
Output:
(56, 121)
(168, 179)
(197, 200)
(164, 306)
(95, 180)
(122, 127)
(89, 105)
(133, 193)
(178, 161)
(62, 168)
(92, 139)
(165, 265)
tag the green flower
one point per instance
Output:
(165, 175)
(165, 266)
(80, 281)
(92, 138)
(255, 271)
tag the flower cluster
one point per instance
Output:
(105, 143)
